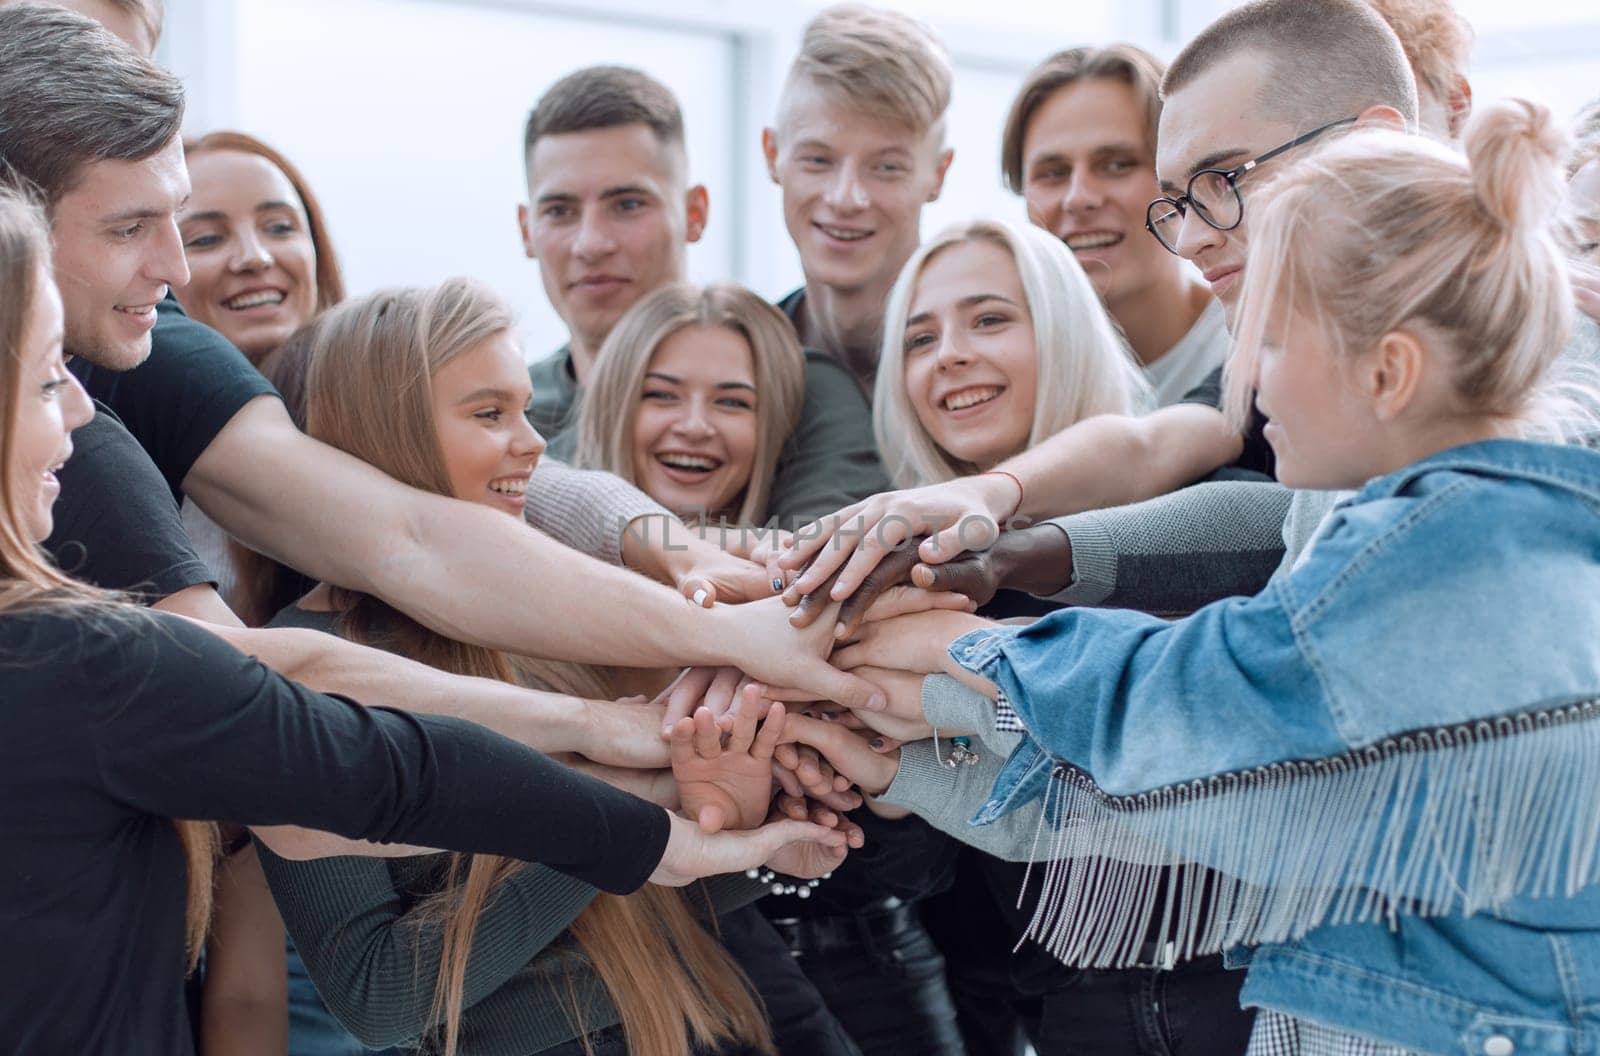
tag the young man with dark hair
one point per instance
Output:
(609, 218)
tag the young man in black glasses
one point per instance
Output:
(1255, 89)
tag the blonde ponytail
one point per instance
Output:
(1514, 151)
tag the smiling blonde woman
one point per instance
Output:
(1080, 365)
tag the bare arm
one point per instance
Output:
(244, 1008)
(1108, 460)
(461, 569)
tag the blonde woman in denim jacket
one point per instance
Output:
(1391, 750)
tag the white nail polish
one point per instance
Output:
(700, 597)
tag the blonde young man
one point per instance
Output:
(858, 148)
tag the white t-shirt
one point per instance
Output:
(1187, 363)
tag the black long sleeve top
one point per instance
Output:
(114, 722)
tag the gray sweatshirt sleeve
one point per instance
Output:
(584, 508)
(1177, 552)
(948, 796)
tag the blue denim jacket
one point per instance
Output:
(1393, 751)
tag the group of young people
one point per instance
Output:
(1163, 627)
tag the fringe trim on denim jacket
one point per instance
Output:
(1444, 821)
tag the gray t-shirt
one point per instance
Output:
(1188, 363)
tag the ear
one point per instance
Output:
(1460, 103)
(1391, 374)
(769, 149)
(523, 219)
(1376, 116)
(945, 158)
(699, 209)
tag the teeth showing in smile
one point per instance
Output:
(516, 486)
(253, 300)
(1093, 240)
(843, 234)
(971, 397)
(698, 463)
(136, 309)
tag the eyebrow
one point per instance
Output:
(965, 302)
(213, 215)
(673, 379)
(609, 192)
(142, 213)
(488, 393)
(1213, 160)
(1101, 151)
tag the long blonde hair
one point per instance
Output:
(367, 391)
(28, 579)
(611, 402)
(1381, 230)
(1084, 369)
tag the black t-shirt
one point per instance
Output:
(177, 401)
(116, 525)
(1257, 456)
(117, 721)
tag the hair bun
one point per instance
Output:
(1515, 149)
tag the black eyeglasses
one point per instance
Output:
(1214, 193)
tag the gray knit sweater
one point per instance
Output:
(376, 966)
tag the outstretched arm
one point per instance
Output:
(462, 569)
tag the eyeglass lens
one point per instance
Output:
(1211, 194)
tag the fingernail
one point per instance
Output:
(700, 597)
(838, 630)
(876, 702)
(777, 585)
(876, 744)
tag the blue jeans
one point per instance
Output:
(313, 1030)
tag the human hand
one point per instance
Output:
(886, 591)
(957, 515)
(902, 718)
(1037, 560)
(716, 689)
(727, 787)
(803, 774)
(847, 751)
(666, 549)
(917, 642)
(692, 854)
(758, 638)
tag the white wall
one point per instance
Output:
(406, 115)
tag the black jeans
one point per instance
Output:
(802, 1023)
(880, 973)
(1192, 1010)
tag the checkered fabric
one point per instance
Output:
(1276, 1034)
